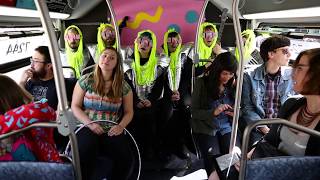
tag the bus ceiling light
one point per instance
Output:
(292, 13)
(19, 12)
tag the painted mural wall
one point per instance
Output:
(158, 16)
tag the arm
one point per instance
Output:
(198, 112)
(248, 109)
(76, 106)
(127, 115)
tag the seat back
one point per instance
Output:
(36, 170)
(286, 167)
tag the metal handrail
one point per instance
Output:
(251, 126)
(115, 25)
(65, 120)
(112, 122)
(196, 46)
(237, 30)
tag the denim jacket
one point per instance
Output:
(254, 89)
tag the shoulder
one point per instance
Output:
(291, 105)
(125, 88)
(86, 80)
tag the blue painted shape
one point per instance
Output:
(176, 27)
(192, 16)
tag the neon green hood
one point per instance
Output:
(205, 51)
(75, 59)
(249, 45)
(145, 74)
(101, 46)
(174, 56)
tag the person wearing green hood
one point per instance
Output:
(145, 77)
(251, 54)
(76, 55)
(177, 94)
(106, 37)
(208, 47)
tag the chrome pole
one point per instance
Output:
(196, 46)
(237, 30)
(65, 120)
(115, 25)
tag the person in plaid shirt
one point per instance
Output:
(266, 87)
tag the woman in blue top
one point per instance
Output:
(212, 106)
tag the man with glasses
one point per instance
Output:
(76, 55)
(266, 87)
(38, 80)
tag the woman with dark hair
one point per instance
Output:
(212, 106)
(99, 96)
(303, 110)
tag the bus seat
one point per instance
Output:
(285, 167)
(87, 70)
(36, 170)
(68, 72)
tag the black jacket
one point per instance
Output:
(288, 108)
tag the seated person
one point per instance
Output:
(99, 96)
(302, 110)
(145, 77)
(38, 80)
(212, 107)
(76, 55)
(266, 87)
(208, 47)
(16, 112)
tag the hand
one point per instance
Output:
(115, 130)
(27, 74)
(140, 105)
(96, 128)
(217, 49)
(220, 109)
(264, 130)
(175, 96)
(229, 113)
(146, 103)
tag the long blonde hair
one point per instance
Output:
(117, 79)
(12, 95)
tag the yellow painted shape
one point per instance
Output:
(142, 16)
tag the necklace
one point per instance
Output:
(305, 117)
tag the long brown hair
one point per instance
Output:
(12, 95)
(117, 78)
(312, 86)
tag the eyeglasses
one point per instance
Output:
(208, 35)
(107, 33)
(172, 40)
(284, 51)
(72, 37)
(145, 41)
(35, 61)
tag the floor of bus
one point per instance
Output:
(161, 170)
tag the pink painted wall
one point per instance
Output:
(158, 15)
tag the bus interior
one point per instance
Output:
(21, 31)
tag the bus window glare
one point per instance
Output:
(293, 13)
